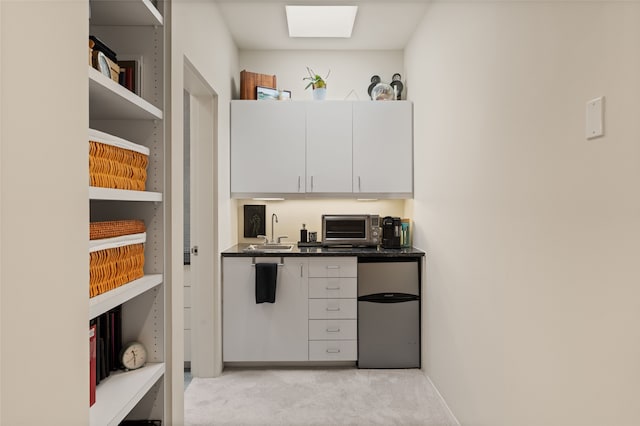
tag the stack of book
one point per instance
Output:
(105, 344)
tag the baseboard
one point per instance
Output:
(289, 364)
(442, 399)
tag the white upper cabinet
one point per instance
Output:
(267, 148)
(329, 155)
(321, 148)
(383, 147)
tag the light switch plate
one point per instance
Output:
(595, 114)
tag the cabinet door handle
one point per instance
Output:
(333, 329)
(298, 183)
(359, 185)
(311, 183)
(332, 288)
(333, 351)
(333, 309)
(301, 270)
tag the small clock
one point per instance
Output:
(103, 65)
(133, 355)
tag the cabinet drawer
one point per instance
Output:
(333, 288)
(333, 308)
(333, 329)
(333, 267)
(333, 350)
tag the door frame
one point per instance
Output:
(206, 346)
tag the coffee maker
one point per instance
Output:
(391, 231)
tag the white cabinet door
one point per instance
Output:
(383, 147)
(266, 331)
(268, 147)
(329, 134)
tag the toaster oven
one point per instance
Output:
(356, 230)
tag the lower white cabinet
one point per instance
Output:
(314, 317)
(333, 329)
(265, 331)
(333, 350)
(333, 288)
(333, 309)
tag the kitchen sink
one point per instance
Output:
(269, 248)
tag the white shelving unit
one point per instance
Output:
(125, 13)
(96, 193)
(109, 100)
(133, 28)
(120, 392)
(102, 303)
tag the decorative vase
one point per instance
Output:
(319, 94)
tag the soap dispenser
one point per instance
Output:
(303, 234)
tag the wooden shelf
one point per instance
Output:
(97, 193)
(102, 303)
(110, 101)
(120, 392)
(118, 12)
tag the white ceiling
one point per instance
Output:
(262, 25)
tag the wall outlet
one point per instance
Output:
(595, 118)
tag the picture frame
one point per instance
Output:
(254, 220)
(267, 93)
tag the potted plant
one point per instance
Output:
(318, 83)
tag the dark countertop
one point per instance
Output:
(237, 251)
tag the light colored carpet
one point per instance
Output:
(342, 396)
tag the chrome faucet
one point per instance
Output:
(273, 216)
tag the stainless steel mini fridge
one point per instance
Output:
(389, 312)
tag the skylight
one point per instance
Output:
(321, 21)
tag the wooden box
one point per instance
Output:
(249, 81)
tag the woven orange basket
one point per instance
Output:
(115, 228)
(116, 163)
(114, 267)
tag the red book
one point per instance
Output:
(92, 365)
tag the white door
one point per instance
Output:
(329, 147)
(383, 147)
(267, 147)
(203, 192)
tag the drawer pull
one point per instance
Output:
(333, 288)
(333, 309)
(333, 351)
(333, 267)
(333, 330)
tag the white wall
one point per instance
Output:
(44, 213)
(531, 231)
(293, 213)
(200, 35)
(350, 70)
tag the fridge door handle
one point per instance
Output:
(388, 298)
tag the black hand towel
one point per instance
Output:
(266, 274)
